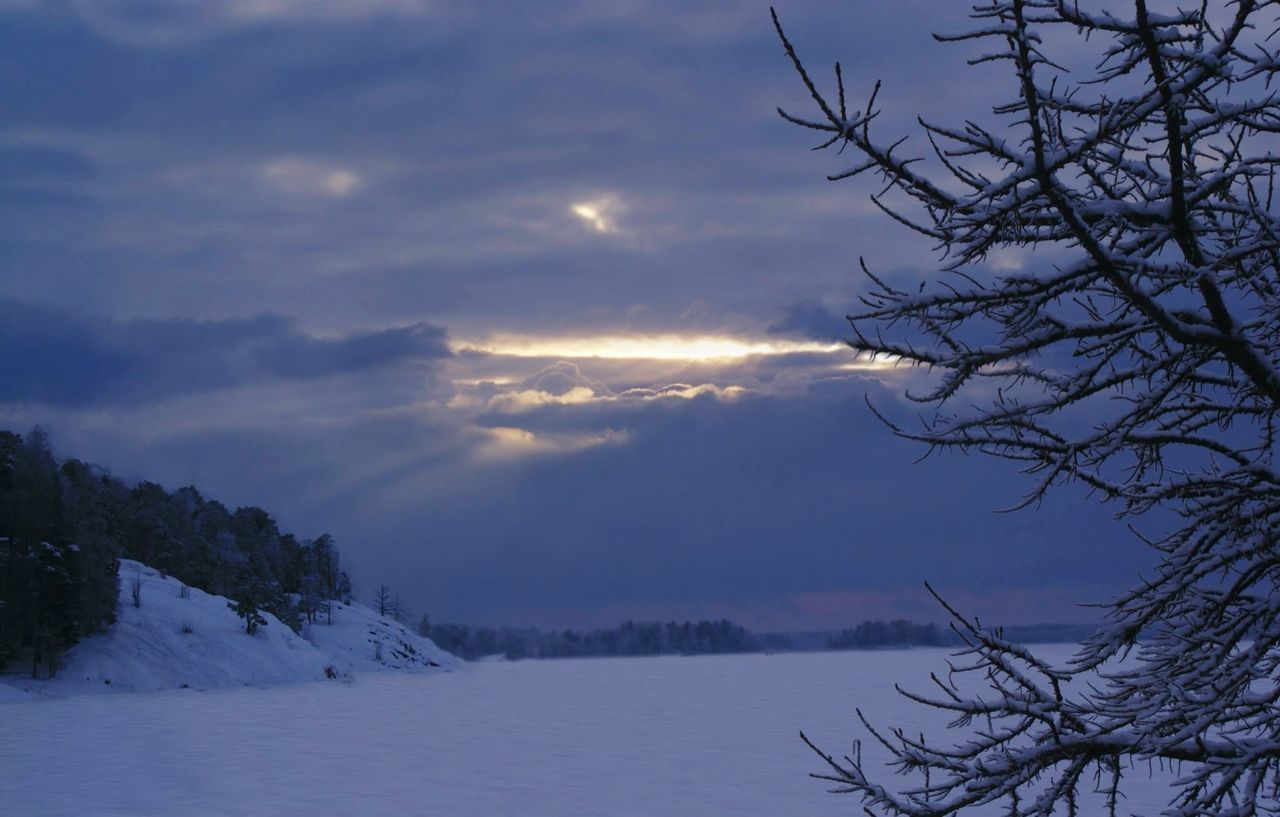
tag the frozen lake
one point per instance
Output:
(670, 736)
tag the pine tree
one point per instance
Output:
(246, 604)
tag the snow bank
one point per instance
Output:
(176, 641)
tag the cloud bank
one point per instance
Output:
(63, 358)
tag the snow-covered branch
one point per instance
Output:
(1136, 353)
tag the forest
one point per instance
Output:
(64, 526)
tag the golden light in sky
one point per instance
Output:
(639, 347)
(598, 214)
(506, 442)
(866, 362)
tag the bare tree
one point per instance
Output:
(1135, 354)
(384, 599)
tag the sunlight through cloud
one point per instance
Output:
(302, 177)
(657, 347)
(505, 442)
(873, 363)
(599, 215)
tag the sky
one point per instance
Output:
(536, 308)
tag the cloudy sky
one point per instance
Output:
(535, 306)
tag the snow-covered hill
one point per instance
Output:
(194, 640)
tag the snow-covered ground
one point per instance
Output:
(174, 641)
(671, 736)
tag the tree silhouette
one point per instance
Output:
(1134, 354)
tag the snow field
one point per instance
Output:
(607, 737)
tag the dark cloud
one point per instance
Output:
(755, 499)
(293, 354)
(454, 217)
(28, 164)
(63, 358)
(811, 321)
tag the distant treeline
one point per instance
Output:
(706, 637)
(898, 633)
(64, 526)
(629, 638)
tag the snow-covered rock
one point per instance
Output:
(359, 640)
(195, 640)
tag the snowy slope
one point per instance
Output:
(359, 640)
(172, 642)
(12, 695)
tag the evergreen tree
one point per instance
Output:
(246, 604)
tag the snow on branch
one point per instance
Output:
(1136, 353)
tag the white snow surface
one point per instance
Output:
(670, 736)
(197, 642)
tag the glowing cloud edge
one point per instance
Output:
(640, 347)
